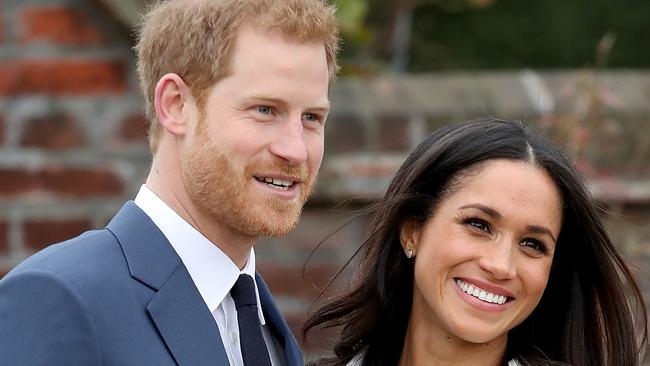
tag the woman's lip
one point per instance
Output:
(480, 304)
(498, 290)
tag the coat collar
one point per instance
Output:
(279, 326)
(177, 309)
(149, 256)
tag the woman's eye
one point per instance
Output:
(535, 245)
(478, 224)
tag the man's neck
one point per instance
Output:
(235, 245)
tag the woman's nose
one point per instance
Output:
(497, 260)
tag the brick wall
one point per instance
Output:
(71, 126)
(72, 142)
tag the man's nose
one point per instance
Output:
(289, 142)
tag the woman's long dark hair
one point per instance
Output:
(586, 316)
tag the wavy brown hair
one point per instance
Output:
(592, 312)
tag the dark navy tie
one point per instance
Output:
(253, 348)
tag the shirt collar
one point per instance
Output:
(212, 271)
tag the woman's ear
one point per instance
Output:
(409, 235)
(171, 97)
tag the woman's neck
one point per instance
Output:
(426, 346)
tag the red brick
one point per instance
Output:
(54, 132)
(378, 169)
(4, 238)
(14, 181)
(345, 133)
(319, 223)
(393, 133)
(64, 181)
(2, 130)
(134, 129)
(60, 25)
(289, 280)
(39, 234)
(62, 77)
(80, 182)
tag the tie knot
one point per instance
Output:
(243, 292)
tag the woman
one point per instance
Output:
(487, 249)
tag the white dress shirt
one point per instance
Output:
(213, 273)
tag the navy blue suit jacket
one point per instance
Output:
(115, 297)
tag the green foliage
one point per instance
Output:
(498, 34)
(537, 34)
(350, 15)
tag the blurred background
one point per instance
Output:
(72, 132)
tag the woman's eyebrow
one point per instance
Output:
(487, 209)
(536, 229)
(540, 230)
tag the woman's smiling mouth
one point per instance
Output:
(480, 293)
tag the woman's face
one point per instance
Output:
(482, 260)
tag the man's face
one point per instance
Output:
(251, 161)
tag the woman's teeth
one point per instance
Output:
(480, 293)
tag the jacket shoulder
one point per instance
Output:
(45, 321)
(83, 259)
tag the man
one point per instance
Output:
(236, 92)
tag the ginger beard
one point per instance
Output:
(229, 196)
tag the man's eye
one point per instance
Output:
(310, 117)
(264, 109)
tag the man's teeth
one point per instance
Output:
(480, 293)
(279, 183)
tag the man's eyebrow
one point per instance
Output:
(487, 209)
(265, 97)
(324, 107)
(536, 229)
(318, 106)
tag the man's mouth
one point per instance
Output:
(480, 293)
(275, 183)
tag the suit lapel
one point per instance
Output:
(276, 321)
(186, 324)
(177, 309)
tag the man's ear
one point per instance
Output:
(410, 232)
(171, 98)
